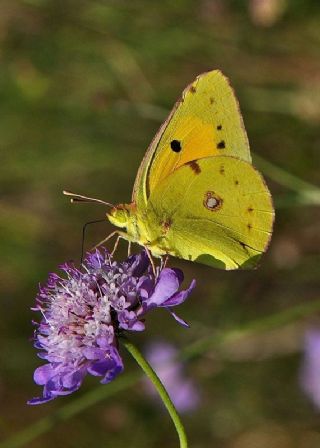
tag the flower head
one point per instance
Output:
(84, 312)
(182, 390)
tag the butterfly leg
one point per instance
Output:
(119, 236)
(164, 261)
(116, 232)
(125, 237)
(116, 245)
(151, 260)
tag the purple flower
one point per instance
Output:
(84, 312)
(183, 392)
(310, 371)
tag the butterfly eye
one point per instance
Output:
(176, 145)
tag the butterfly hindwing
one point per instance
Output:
(215, 210)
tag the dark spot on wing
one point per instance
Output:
(194, 166)
(250, 209)
(249, 226)
(236, 182)
(222, 170)
(244, 246)
(193, 89)
(176, 145)
(221, 145)
(211, 100)
(219, 127)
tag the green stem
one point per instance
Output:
(79, 404)
(145, 366)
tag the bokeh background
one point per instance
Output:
(84, 86)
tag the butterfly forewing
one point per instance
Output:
(205, 122)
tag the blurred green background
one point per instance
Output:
(84, 86)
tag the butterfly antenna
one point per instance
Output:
(80, 198)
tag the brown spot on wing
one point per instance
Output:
(211, 100)
(219, 127)
(249, 226)
(165, 225)
(194, 166)
(221, 145)
(244, 246)
(236, 182)
(222, 170)
(250, 209)
(193, 89)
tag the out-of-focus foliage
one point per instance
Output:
(84, 85)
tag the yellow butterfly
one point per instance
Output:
(196, 195)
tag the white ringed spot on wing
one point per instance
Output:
(212, 201)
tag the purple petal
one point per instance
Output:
(180, 296)
(112, 373)
(128, 320)
(179, 274)
(43, 374)
(104, 342)
(145, 286)
(139, 263)
(179, 319)
(92, 353)
(73, 380)
(95, 260)
(100, 368)
(167, 285)
(108, 367)
(41, 400)
(137, 326)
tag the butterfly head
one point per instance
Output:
(119, 215)
(125, 216)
